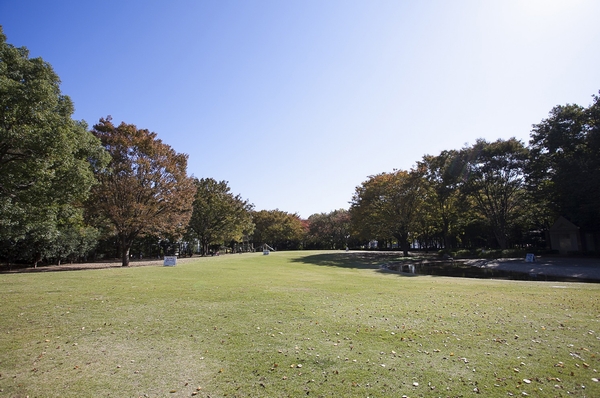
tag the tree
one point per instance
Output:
(329, 230)
(428, 223)
(443, 174)
(145, 188)
(278, 229)
(494, 177)
(564, 168)
(45, 156)
(218, 216)
(386, 206)
(74, 238)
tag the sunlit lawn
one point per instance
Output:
(293, 324)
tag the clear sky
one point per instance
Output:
(296, 102)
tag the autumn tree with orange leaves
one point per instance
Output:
(144, 190)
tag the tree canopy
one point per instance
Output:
(386, 205)
(218, 216)
(45, 171)
(495, 178)
(278, 229)
(145, 188)
(443, 175)
(564, 167)
(329, 230)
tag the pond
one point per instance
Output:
(463, 270)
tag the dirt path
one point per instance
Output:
(90, 266)
(568, 267)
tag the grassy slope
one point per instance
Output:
(292, 324)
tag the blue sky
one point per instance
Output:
(296, 102)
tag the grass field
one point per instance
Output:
(291, 324)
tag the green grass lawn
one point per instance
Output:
(320, 324)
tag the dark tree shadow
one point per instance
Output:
(358, 260)
(423, 265)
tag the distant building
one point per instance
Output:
(567, 237)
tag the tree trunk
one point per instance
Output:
(403, 243)
(502, 241)
(446, 235)
(125, 247)
(38, 258)
(405, 248)
(501, 235)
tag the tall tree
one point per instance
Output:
(386, 206)
(144, 189)
(45, 156)
(278, 229)
(443, 174)
(494, 177)
(428, 222)
(218, 215)
(329, 230)
(564, 167)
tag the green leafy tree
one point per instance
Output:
(145, 188)
(278, 229)
(428, 230)
(45, 156)
(494, 178)
(443, 175)
(365, 215)
(564, 168)
(218, 216)
(386, 205)
(74, 239)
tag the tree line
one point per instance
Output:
(71, 193)
(500, 194)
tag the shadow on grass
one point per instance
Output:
(358, 260)
(426, 265)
